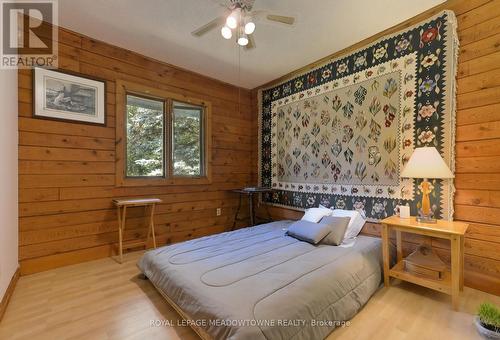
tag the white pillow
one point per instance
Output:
(316, 214)
(355, 224)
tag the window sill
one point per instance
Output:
(141, 182)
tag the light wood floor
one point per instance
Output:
(103, 300)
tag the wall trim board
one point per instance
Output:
(8, 293)
(478, 135)
(483, 282)
(40, 264)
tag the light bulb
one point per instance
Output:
(232, 19)
(226, 32)
(243, 40)
(249, 27)
(231, 22)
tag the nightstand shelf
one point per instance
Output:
(453, 280)
(443, 285)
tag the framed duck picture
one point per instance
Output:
(66, 96)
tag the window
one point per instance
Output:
(145, 137)
(187, 139)
(162, 136)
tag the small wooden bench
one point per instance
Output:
(122, 206)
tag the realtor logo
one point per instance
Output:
(29, 34)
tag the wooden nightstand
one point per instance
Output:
(453, 281)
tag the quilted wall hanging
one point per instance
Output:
(341, 134)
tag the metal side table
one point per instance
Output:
(249, 193)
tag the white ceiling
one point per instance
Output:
(162, 29)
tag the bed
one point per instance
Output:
(259, 283)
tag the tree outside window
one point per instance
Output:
(164, 138)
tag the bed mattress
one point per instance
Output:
(259, 283)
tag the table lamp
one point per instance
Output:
(426, 163)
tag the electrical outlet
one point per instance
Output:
(219, 211)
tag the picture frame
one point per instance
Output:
(66, 96)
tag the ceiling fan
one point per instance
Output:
(240, 17)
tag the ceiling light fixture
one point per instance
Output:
(241, 21)
(240, 18)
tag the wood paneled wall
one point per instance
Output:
(477, 199)
(67, 170)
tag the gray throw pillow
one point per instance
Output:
(308, 231)
(337, 226)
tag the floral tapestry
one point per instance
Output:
(341, 134)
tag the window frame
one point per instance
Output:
(165, 128)
(124, 88)
(202, 139)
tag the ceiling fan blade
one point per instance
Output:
(208, 27)
(281, 18)
(251, 43)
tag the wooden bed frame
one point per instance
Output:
(198, 330)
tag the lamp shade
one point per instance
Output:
(426, 162)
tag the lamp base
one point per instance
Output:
(425, 214)
(426, 219)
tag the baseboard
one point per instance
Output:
(486, 283)
(8, 293)
(40, 264)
